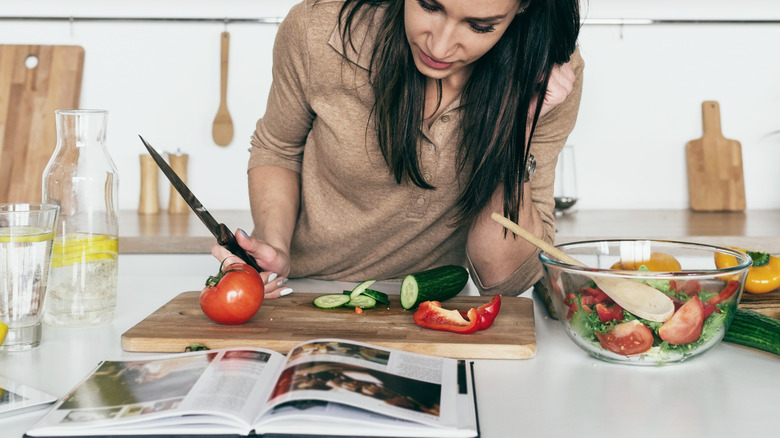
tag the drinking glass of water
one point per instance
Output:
(26, 239)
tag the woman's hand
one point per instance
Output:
(559, 87)
(274, 262)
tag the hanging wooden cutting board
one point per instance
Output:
(34, 81)
(715, 178)
(283, 323)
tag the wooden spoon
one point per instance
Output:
(222, 130)
(638, 298)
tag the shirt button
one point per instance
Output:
(431, 147)
(420, 200)
(427, 176)
(445, 118)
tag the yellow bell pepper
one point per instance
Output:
(657, 262)
(3, 332)
(763, 276)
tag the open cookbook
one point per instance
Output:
(16, 398)
(325, 387)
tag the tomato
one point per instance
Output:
(627, 338)
(688, 287)
(657, 262)
(685, 325)
(233, 296)
(607, 314)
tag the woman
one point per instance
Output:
(395, 128)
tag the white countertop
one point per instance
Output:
(729, 391)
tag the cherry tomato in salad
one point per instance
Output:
(607, 314)
(627, 338)
(685, 324)
(688, 287)
(658, 262)
(233, 296)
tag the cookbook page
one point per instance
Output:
(404, 385)
(228, 385)
(16, 398)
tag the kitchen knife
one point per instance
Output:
(224, 236)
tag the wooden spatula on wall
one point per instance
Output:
(715, 178)
(222, 130)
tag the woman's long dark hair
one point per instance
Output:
(495, 110)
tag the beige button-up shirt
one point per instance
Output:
(355, 222)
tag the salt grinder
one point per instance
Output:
(149, 201)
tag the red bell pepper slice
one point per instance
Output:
(431, 315)
(727, 291)
(488, 312)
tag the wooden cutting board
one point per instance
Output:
(715, 178)
(28, 98)
(768, 303)
(283, 323)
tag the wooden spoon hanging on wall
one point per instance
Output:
(222, 130)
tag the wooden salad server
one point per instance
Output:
(642, 300)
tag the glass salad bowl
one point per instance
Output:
(703, 297)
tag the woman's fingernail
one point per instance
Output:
(281, 282)
(244, 233)
(284, 292)
(271, 277)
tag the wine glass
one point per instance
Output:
(565, 187)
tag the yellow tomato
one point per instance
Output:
(763, 276)
(657, 262)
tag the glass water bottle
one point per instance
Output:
(82, 179)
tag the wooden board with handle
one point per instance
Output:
(768, 303)
(29, 95)
(283, 323)
(715, 175)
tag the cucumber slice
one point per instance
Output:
(360, 288)
(330, 301)
(362, 301)
(380, 297)
(437, 284)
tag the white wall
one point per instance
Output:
(642, 100)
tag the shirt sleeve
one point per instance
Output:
(550, 137)
(281, 133)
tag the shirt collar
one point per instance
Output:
(363, 37)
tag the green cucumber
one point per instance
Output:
(331, 301)
(360, 288)
(754, 330)
(437, 284)
(362, 301)
(381, 297)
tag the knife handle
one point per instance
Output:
(228, 240)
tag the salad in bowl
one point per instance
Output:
(704, 297)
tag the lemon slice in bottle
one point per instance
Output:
(81, 248)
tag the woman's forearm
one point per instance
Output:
(494, 256)
(274, 197)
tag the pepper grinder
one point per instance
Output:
(178, 162)
(149, 202)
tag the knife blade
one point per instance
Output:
(222, 233)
